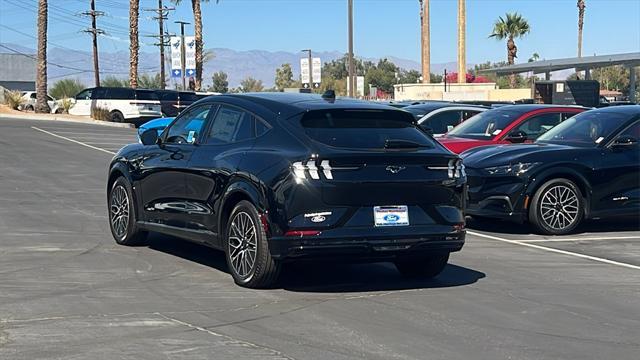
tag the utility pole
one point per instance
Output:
(310, 69)
(352, 82)
(94, 31)
(162, 15)
(182, 52)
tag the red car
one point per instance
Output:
(507, 124)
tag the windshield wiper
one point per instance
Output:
(402, 144)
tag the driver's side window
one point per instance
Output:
(84, 95)
(538, 125)
(632, 131)
(187, 128)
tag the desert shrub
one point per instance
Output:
(66, 88)
(13, 99)
(99, 113)
(65, 105)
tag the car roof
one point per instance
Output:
(621, 109)
(525, 108)
(292, 103)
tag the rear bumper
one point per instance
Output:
(365, 247)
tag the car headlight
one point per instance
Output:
(511, 169)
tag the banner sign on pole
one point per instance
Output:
(316, 69)
(190, 56)
(304, 71)
(176, 58)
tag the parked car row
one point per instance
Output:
(274, 177)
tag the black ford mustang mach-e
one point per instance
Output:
(586, 167)
(275, 177)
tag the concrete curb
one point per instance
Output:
(53, 117)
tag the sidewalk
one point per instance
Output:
(6, 113)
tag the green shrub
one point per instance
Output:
(112, 81)
(13, 99)
(66, 88)
(65, 105)
(99, 113)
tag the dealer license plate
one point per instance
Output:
(391, 215)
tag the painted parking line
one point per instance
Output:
(89, 133)
(605, 238)
(74, 141)
(563, 252)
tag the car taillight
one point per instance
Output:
(313, 169)
(455, 169)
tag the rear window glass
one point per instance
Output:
(115, 94)
(364, 129)
(167, 95)
(146, 95)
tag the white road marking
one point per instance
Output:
(564, 252)
(74, 141)
(580, 239)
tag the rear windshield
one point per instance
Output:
(146, 95)
(187, 96)
(365, 129)
(486, 125)
(167, 95)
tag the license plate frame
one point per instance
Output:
(391, 215)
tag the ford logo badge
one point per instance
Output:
(318, 219)
(391, 218)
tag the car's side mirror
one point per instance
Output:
(150, 137)
(517, 137)
(624, 142)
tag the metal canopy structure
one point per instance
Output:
(583, 63)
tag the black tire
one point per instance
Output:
(427, 268)
(541, 213)
(116, 116)
(29, 108)
(125, 231)
(264, 270)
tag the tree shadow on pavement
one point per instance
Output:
(323, 277)
(588, 226)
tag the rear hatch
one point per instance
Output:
(378, 158)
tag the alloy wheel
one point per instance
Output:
(119, 211)
(559, 207)
(243, 243)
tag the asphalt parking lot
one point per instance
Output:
(67, 291)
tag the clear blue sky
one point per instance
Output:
(382, 27)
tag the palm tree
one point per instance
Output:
(511, 27)
(134, 46)
(581, 7)
(41, 71)
(197, 19)
(426, 41)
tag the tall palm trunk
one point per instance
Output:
(425, 41)
(197, 18)
(41, 71)
(462, 42)
(512, 54)
(581, 7)
(134, 12)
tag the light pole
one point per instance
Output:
(310, 69)
(182, 52)
(352, 83)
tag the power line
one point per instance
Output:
(162, 13)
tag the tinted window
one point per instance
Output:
(486, 125)
(442, 122)
(586, 129)
(362, 129)
(84, 95)
(120, 94)
(537, 125)
(230, 125)
(168, 95)
(261, 127)
(187, 128)
(187, 96)
(469, 113)
(33, 95)
(146, 95)
(99, 93)
(633, 131)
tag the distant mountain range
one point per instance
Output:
(238, 65)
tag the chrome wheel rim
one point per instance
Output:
(559, 207)
(243, 244)
(119, 211)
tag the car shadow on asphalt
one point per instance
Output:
(589, 226)
(324, 277)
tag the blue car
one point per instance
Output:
(158, 124)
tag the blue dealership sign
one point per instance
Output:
(176, 73)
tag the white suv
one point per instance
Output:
(29, 102)
(123, 104)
